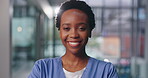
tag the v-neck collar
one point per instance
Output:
(62, 74)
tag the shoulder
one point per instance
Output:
(47, 62)
(44, 66)
(102, 64)
(105, 69)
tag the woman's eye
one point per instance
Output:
(66, 28)
(82, 29)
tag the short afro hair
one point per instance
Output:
(80, 5)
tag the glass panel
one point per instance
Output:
(98, 17)
(96, 3)
(48, 52)
(46, 37)
(23, 28)
(141, 31)
(126, 3)
(110, 22)
(24, 24)
(111, 3)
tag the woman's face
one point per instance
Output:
(74, 30)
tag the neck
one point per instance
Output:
(74, 60)
(74, 63)
(75, 57)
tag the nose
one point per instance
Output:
(74, 34)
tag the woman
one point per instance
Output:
(75, 22)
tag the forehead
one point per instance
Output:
(74, 16)
(76, 12)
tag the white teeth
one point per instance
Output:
(74, 43)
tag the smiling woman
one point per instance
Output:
(75, 24)
(74, 31)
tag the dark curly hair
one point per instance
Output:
(80, 5)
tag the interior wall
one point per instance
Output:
(4, 39)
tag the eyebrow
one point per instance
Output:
(67, 24)
(82, 24)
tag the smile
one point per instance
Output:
(74, 44)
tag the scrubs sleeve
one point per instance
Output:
(35, 73)
(112, 72)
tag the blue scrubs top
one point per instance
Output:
(52, 68)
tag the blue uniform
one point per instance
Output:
(52, 68)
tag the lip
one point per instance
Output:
(74, 43)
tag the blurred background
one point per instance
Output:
(28, 33)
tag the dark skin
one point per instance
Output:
(74, 34)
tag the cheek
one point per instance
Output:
(85, 35)
(63, 35)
